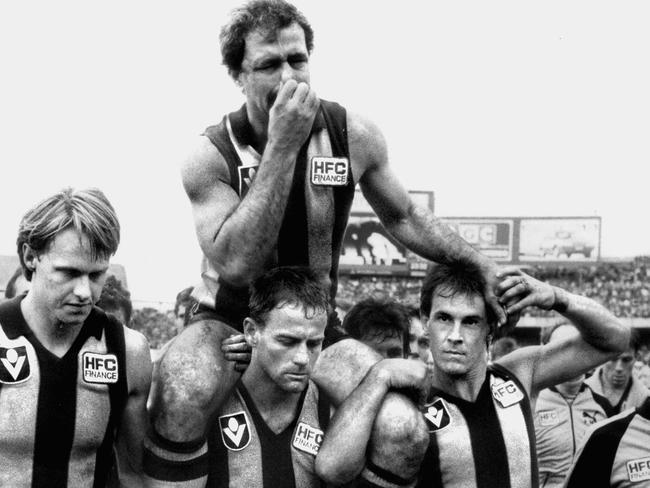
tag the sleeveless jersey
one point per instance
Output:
(58, 416)
(243, 452)
(616, 453)
(560, 426)
(485, 444)
(318, 206)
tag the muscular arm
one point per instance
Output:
(236, 236)
(413, 226)
(342, 456)
(602, 336)
(134, 419)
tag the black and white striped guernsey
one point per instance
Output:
(243, 452)
(312, 230)
(616, 452)
(58, 416)
(485, 444)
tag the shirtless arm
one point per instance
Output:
(342, 456)
(601, 337)
(238, 237)
(415, 227)
(134, 419)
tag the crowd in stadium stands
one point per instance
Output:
(624, 288)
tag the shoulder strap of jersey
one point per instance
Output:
(218, 135)
(118, 393)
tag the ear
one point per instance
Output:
(251, 331)
(29, 257)
(240, 82)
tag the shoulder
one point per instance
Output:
(366, 142)
(203, 166)
(138, 360)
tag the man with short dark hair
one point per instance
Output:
(382, 325)
(73, 380)
(614, 380)
(478, 414)
(116, 300)
(563, 414)
(418, 338)
(268, 432)
(272, 185)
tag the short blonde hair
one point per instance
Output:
(87, 211)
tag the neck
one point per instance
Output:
(55, 336)
(569, 390)
(270, 400)
(260, 124)
(465, 387)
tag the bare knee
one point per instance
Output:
(399, 438)
(191, 381)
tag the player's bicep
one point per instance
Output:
(207, 183)
(378, 182)
(134, 417)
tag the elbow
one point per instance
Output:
(621, 341)
(332, 472)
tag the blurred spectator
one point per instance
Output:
(17, 284)
(563, 413)
(157, 326)
(185, 306)
(502, 346)
(418, 337)
(381, 324)
(116, 300)
(614, 380)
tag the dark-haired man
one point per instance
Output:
(72, 378)
(272, 185)
(269, 430)
(382, 325)
(478, 416)
(616, 382)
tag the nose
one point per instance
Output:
(301, 358)
(82, 288)
(287, 72)
(454, 333)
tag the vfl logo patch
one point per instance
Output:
(99, 368)
(235, 432)
(326, 171)
(246, 177)
(307, 438)
(507, 393)
(638, 469)
(437, 416)
(15, 365)
(548, 418)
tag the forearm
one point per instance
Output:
(597, 325)
(423, 233)
(342, 455)
(243, 244)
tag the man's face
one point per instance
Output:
(66, 281)
(269, 61)
(287, 346)
(617, 372)
(387, 346)
(418, 340)
(458, 331)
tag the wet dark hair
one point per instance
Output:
(268, 16)
(451, 279)
(378, 318)
(115, 297)
(293, 285)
